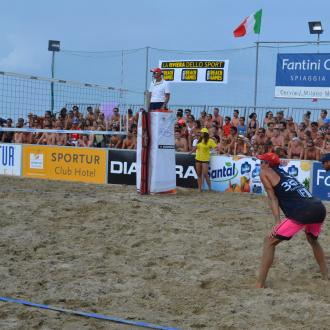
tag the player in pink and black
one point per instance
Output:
(301, 209)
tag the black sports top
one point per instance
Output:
(296, 202)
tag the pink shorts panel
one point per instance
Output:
(288, 228)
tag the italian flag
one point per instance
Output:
(251, 23)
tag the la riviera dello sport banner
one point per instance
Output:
(303, 76)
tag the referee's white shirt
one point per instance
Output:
(158, 89)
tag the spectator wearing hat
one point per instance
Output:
(325, 160)
(301, 210)
(203, 154)
(159, 91)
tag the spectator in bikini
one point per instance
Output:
(128, 142)
(295, 148)
(253, 125)
(90, 114)
(235, 119)
(217, 117)
(181, 143)
(270, 129)
(291, 126)
(314, 127)
(223, 146)
(241, 127)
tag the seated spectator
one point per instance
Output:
(253, 125)
(268, 119)
(291, 125)
(83, 141)
(8, 137)
(260, 142)
(314, 127)
(270, 129)
(310, 151)
(115, 140)
(128, 142)
(73, 138)
(279, 117)
(242, 146)
(301, 131)
(19, 137)
(47, 138)
(235, 119)
(320, 138)
(128, 120)
(90, 114)
(60, 139)
(226, 127)
(295, 148)
(114, 119)
(323, 120)
(284, 132)
(232, 140)
(181, 143)
(241, 127)
(277, 140)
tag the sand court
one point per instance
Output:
(187, 261)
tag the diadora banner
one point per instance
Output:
(65, 163)
(303, 76)
(321, 182)
(195, 71)
(122, 168)
(10, 159)
(242, 174)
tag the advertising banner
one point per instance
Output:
(10, 159)
(195, 71)
(65, 163)
(303, 76)
(321, 182)
(242, 174)
(122, 168)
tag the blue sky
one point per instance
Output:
(100, 25)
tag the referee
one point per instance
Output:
(159, 92)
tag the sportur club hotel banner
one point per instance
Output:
(195, 71)
(303, 76)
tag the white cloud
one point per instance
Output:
(25, 55)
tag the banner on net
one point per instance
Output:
(195, 71)
(303, 76)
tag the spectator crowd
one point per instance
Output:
(235, 135)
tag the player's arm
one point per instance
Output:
(273, 201)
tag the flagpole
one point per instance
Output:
(256, 76)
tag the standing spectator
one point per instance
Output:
(323, 120)
(179, 117)
(235, 120)
(203, 118)
(202, 159)
(217, 117)
(284, 132)
(159, 91)
(307, 119)
(226, 127)
(187, 113)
